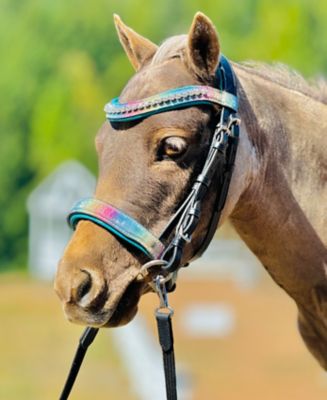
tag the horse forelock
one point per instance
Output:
(171, 48)
(167, 69)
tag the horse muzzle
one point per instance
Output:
(89, 299)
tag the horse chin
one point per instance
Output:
(127, 306)
(121, 319)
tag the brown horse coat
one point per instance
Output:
(277, 199)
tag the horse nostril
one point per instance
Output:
(89, 289)
(81, 285)
(84, 287)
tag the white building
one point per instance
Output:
(48, 206)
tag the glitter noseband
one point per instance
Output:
(223, 147)
(118, 223)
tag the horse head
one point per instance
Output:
(146, 168)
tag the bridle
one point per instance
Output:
(167, 259)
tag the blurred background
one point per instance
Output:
(60, 63)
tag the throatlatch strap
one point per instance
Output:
(117, 222)
(227, 81)
(166, 340)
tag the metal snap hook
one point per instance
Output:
(160, 288)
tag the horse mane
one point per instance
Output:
(288, 78)
(279, 73)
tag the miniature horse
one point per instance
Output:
(277, 196)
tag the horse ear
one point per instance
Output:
(138, 49)
(203, 46)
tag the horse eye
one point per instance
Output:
(172, 147)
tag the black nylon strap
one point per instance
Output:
(84, 342)
(166, 340)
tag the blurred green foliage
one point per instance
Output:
(61, 61)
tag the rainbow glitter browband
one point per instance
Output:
(118, 223)
(172, 99)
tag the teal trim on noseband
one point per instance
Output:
(77, 217)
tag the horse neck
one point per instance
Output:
(280, 213)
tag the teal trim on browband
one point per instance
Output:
(185, 96)
(118, 223)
